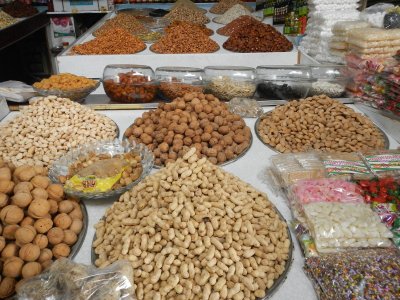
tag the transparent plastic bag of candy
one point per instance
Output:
(245, 107)
(304, 238)
(339, 226)
(362, 274)
(69, 280)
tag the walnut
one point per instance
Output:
(12, 267)
(55, 191)
(11, 214)
(61, 250)
(21, 199)
(39, 208)
(7, 287)
(31, 269)
(25, 234)
(6, 186)
(40, 181)
(63, 221)
(55, 235)
(29, 252)
(43, 225)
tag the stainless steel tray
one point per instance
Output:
(223, 164)
(77, 246)
(277, 283)
(384, 135)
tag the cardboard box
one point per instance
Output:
(4, 110)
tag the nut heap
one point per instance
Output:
(185, 39)
(124, 21)
(48, 128)
(131, 88)
(112, 41)
(257, 38)
(37, 225)
(318, 123)
(185, 13)
(194, 231)
(222, 6)
(238, 23)
(172, 27)
(195, 120)
(65, 82)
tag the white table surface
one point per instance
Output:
(250, 168)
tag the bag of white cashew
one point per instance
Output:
(73, 281)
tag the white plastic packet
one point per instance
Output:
(16, 91)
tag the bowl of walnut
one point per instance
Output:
(103, 169)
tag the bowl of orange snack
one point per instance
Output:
(66, 85)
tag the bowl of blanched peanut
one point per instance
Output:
(66, 85)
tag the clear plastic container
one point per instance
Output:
(130, 83)
(227, 82)
(328, 80)
(283, 82)
(177, 81)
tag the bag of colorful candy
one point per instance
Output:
(362, 274)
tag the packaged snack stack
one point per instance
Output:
(323, 14)
(339, 42)
(376, 77)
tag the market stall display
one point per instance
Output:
(213, 246)
(65, 85)
(17, 9)
(112, 41)
(130, 83)
(48, 127)
(318, 123)
(197, 120)
(102, 170)
(39, 224)
(257, 38)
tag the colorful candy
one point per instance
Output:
(364, 274)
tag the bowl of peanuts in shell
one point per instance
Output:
(66, 85)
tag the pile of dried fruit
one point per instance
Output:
(237, 24)
(65, 82)
(38, 224)
(194, 231)
(257, 38)
(318, 123)
(112, 41)
(195, 120)
(19, 9)
(185, 40)
(6, 20)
